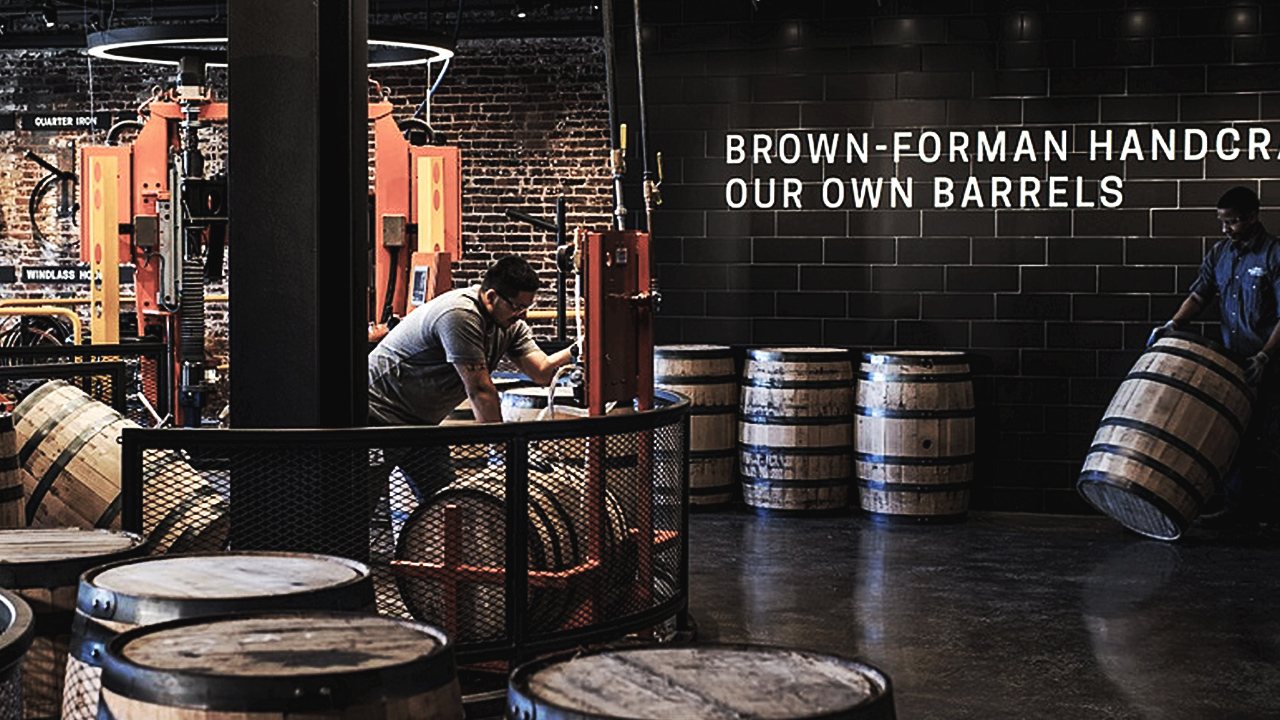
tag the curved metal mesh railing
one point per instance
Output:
(514, 538)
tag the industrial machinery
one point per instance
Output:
(417, 224)
(150, 203)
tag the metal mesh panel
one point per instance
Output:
(143, 396)
(80, 690)
(11, 692)
(497, 534)
(104, 382)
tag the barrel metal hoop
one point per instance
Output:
(109, 514)
(66, 456)
(803, 450)
(923, 378)
(708, 490)
(712, 454)
(1165, 436)
(911, 487)
(947, 414)
(1150, 462)
(1195, 392)
(797, 421)
(774, 482)
(1161, 505)
(696, 379)
(916, 461)
(11, 493)
(790, 384)
(9, 462)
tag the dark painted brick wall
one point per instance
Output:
(1053, 303)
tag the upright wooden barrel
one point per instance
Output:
(795, 431)
(120, 596)
(11, 493)
(705, 373)
(344, 666)
(915, 435)
(17, 629)
(69, 447)
(1168, 436)
(43, 566)
(710, 682)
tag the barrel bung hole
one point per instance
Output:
(926, 443)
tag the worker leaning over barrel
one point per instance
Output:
(444, 351)
(1242, 271)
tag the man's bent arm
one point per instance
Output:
(480, 392)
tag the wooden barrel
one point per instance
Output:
(11, 493)
(43, 566)
(742, 682)
(120, 596)
(455, 579)
(1168, 436)
(705, 373)
(795, 429)
(69, 448)
(17, 630)
(914, 435)
(281, 665)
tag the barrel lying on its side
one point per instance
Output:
(1168, 436)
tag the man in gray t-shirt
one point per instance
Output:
(444, 351)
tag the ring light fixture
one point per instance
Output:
(168, 44)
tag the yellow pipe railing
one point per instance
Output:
(50, 311)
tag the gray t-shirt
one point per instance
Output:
(412, 378)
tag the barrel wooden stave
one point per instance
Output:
(12, 494)
(706, 375)
(272, 666)
(915, 435)
(1167, 436)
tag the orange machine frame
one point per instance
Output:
(417, 215)
(133, 178)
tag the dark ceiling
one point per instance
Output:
(65, 23)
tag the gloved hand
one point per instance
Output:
(1253, 371)
(1160, 332)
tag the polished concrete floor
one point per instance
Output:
(1006, 615)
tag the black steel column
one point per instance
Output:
(298, 192)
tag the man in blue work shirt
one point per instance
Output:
(1243, 272)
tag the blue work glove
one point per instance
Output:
(1253, 371)
(1160, 332)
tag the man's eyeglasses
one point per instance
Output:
(516, 308)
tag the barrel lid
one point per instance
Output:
(17, 628)
(693, 351)
(798, 354)
(278, 662)
(145, 591)
(55, 557)
(706, 681)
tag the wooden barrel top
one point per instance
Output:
(55, 557)
(297, 661)
(714, 682)
(228, 575)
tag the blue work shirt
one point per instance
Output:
(1246, 279)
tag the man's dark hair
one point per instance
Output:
(511, 276)
(1241, 199)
